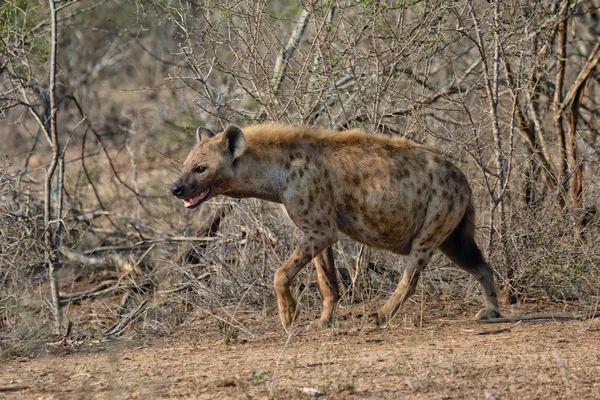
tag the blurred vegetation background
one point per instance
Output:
(509, 91)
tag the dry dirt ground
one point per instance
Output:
(424, 355)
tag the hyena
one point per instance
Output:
(385, 192)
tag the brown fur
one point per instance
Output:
(382, 191)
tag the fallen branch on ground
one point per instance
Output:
(491, 331)
(537, 317)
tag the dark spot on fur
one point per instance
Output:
(453, 175)
(301, 202)
(421, 261)
(355, 180)
(430, 177)
(311, 198)
(433, 192)
(287, 165)
(450, 207)
(292, 156)
(318, 222)
(419, 191)
(301, 173)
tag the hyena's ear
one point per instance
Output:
(234, 141)
(203, 133)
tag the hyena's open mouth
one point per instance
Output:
(195, 201)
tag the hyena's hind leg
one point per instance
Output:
(328, 286)
(415, 264)
(461, 248)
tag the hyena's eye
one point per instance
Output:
(200, 169)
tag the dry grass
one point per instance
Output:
(231, 274)
(213, 295)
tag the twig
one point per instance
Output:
(279, 359)
(119, 327)
(173, 239)
(25, 171)
(563, 373)
(63, 340)
(238, 326)
(115, 248)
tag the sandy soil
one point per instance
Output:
(438, 357)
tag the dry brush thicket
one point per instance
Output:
(94, 131)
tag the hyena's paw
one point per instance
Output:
(320, 324)
(487, 313)
(378, 318)
(287, 312)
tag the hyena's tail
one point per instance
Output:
(460, 245)
(461, 248)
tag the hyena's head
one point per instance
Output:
(208, 169)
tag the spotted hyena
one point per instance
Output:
(385, 192)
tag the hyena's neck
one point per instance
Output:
(259, 173)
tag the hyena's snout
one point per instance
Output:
(177, 189)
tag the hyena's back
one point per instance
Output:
(383, 190)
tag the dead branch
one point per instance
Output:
(574, 182)
(582, 77)
(174, 239)
(102, 290)
(540, 317)
(284, 57)
(561, 53)
(6, 389)
(115, 248)
(491, 331)
(404, 111)
(50, 238)
(109, 261)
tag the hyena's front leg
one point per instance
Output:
(308, 249)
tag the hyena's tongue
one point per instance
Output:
(195, 200)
